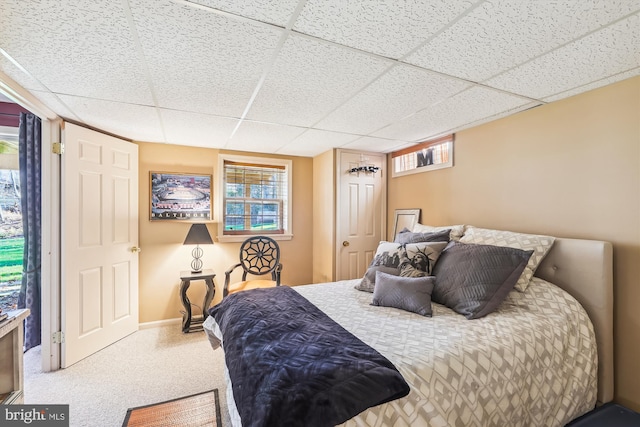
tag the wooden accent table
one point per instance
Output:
(11, 361)
(190, 324)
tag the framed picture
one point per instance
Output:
(405, 218)
(180, 197)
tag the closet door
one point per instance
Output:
(361, 211)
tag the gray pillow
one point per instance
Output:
(407, 236)
(406, 293)
(369, 280)
(473, 280)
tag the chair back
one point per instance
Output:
(259, 255)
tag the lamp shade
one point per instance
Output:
(198, 235)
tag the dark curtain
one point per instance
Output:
(30, 143)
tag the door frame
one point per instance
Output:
(50, 219)
(338, 228)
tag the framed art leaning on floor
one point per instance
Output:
(180, 197)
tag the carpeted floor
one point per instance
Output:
(149, 366)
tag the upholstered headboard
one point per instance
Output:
(584, 268)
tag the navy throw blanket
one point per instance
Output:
(292, 365)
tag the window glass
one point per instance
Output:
(255, 197)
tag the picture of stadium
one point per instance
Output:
(180, 196)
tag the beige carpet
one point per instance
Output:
(150, 366)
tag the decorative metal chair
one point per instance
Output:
(259, 256)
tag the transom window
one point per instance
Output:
(255, 196)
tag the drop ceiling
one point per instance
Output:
(300, 77)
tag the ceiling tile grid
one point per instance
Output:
(273, 12)
(313, 142)
(382, 145)
(399, 93)
(200, 61)
(200, 130)
(300, 77)
(453, 113)
(262, 137)
(311, 78)
(613, 50)
(136, 122)
(501, 34)
(74, 50)
(387, 28)
(594, 85)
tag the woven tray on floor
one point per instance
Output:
(200, 409)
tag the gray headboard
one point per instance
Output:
(584, 268)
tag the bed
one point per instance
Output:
(532, 361)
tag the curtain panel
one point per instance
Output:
(30, 145)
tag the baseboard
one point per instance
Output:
(159, 323)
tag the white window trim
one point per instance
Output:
(219, 196)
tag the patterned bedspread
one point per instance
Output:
(533, 362)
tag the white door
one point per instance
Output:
(99, 244)
(361, 217)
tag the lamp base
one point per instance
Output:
(196, 271)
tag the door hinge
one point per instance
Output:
(57, 148)
(58, 337)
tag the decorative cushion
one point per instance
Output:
(407, 236)
(369, 280)
(474, 279)
(418, 259)
(539, 244)
(406, 293)
(456, 230)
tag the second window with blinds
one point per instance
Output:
(254, 197)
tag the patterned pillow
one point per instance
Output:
(473, 280)
(539, 244)
(456, 230)
(406, 236)
(418, 259)
(368, 282)
(406, 293)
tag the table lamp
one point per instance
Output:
(198, 235)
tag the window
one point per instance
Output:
(11, 235)
(255, 197)
(425, 156)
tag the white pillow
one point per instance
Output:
(540, 245)
(456, 230)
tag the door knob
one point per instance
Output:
(135, 249)
(345, 243)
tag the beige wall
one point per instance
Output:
(324, 217)
(570, 169)
(163, 256)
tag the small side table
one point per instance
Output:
(190, 324)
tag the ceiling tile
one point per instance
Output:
(262, 137)
(599, 83)
(381, 145)
(613, 50)
(313, 142)
(310, 78)
(196, 129)
(22, 78)
(467, 107)
(200, 61)
(387, 28)
(93, 56)
(398, 93)
(501, 34)
(54, 103)
(274, 12)
(136, 122)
